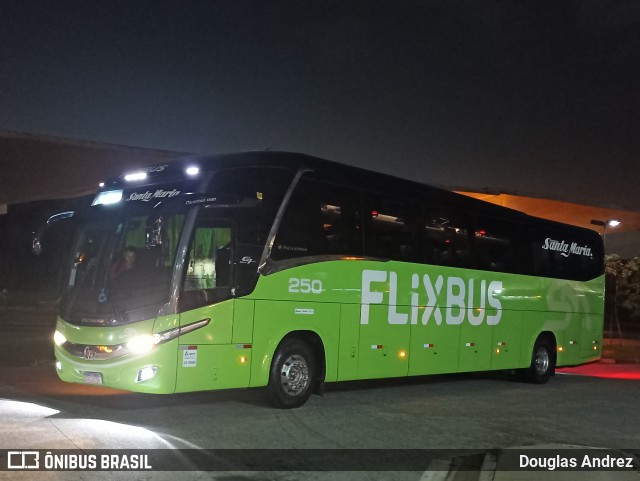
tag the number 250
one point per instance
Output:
(305, 286)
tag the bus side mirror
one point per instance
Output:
(36, 240)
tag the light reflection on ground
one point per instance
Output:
(56, 431)
(630, 372)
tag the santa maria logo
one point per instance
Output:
(565, 249)
(151, 195)
(460, 299)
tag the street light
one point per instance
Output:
(606, 223)
(613, 222)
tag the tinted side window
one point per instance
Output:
(320, 219)
(264, 184)
(493, 245)
(446, 238)
(391, 230)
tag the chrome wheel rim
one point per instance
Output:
(294, 375)
(542, 361)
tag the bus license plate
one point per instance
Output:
(93, 378)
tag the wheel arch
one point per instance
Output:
(315, 342)
(529, 341)
(312, 338)
(541, 367)
(550, 338)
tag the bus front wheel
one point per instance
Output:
(543, 363)
(293, 371)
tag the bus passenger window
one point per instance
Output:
(321, 219)
(446, 240)
(391, 230)
(492, 245)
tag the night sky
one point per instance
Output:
(538, 98)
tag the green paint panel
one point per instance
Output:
(349, 341)
(475, 348)
(591, 339)
(243, 321)
(207, 367)
(381, 345)
(220, 327)
(505, 345)
(273, 320)
(572, 338)
(434, 348)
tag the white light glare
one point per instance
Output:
(613, 223)
(142, 344)
(101, 185)
(146, 373)
(135, 176)
(22, 411)
(108, 197)
(192, 171)
(145, 342)
(59, 338)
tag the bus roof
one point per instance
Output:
(177, 169)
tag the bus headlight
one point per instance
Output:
(142, 344)
(59, 338)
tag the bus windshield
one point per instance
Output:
(122, 266)
(126, 254)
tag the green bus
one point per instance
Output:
(288, 271)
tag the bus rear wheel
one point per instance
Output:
(293, 372)
(543, 363)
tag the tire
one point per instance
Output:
(543, 363)
(292, 375)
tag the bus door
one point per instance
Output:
(204, 357)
